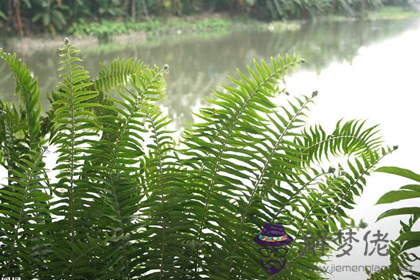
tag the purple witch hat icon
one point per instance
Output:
(273, 235)
(274, 240)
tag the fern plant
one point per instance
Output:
(126, 200)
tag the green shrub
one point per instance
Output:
(126, 201)
(107, 28)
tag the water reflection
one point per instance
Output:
(200, 63)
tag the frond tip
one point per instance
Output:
(28, 91)
(118, 73)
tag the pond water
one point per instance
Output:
(362, 69)
(199, 62)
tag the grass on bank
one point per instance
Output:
(385, 13)
(106, 28)
(393, 13)
(216, 23)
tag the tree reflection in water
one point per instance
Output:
(199, 62)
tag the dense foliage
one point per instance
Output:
(28, 16)
(105, 28)
(125, 200)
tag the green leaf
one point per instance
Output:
(400, 211)
(394, 196)
(400, 172)
(415, 235)
(3, 15)
(46, 19)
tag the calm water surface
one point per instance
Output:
(367, 70)
(198, 63)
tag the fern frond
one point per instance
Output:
(73, 124)
(347, 138)
(221, 135)
(118, 73)
(326, 205)
(86, 251)
(163, 183)
(25, 121)
(11, 145)
(115, 171)
(401, 261)
(273, 167)
(356, 182)
(283, 201)
(28, 91)
(22, 200)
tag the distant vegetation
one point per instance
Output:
(24, 17)
(107, 28)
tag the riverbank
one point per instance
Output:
(106, 28)
(91, 34)
(385, 13)
(212, 22)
